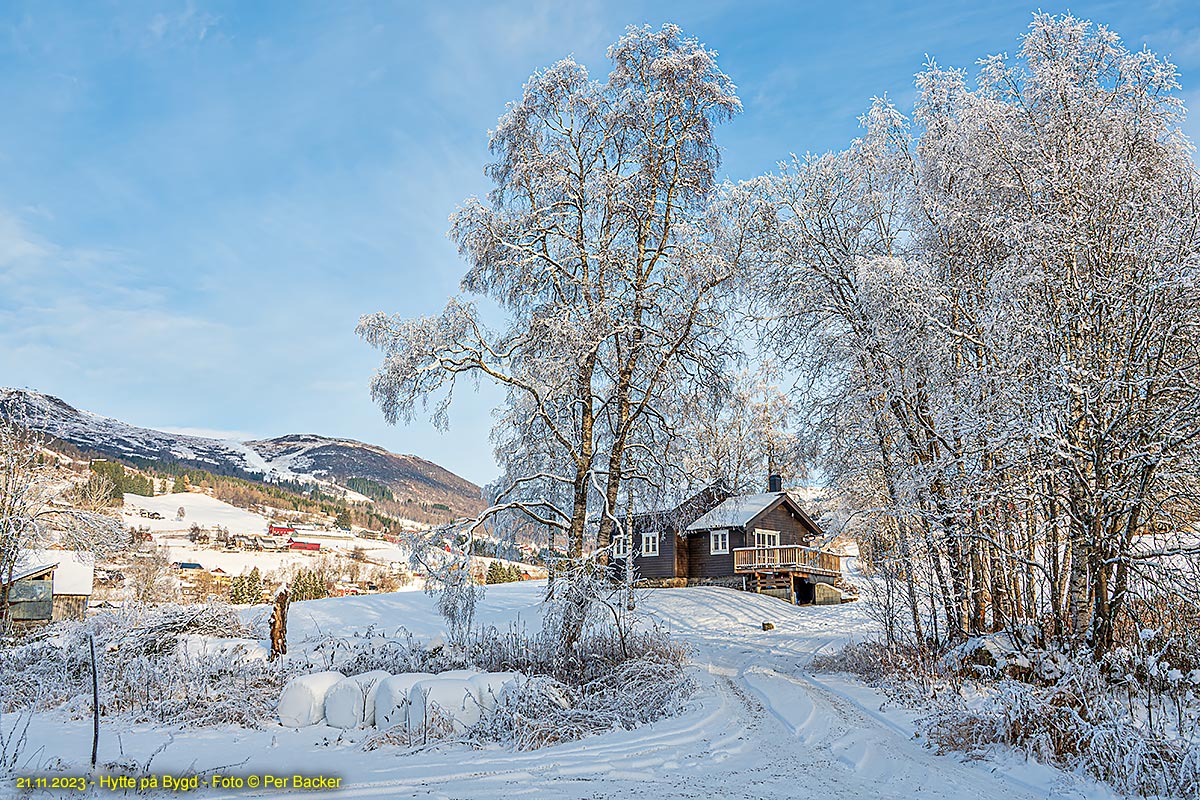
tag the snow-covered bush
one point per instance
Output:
(150, 669)
(1076, 723)
(1131, 719)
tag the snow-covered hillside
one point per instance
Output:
(303, 458)
(208, 512)
(760, 725)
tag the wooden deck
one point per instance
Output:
(787, 558)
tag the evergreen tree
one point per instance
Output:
(237, 590)
(181, 484)
(254, 586)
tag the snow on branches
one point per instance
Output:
(603, 244)
(996, 304)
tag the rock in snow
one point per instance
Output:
(391, 698)
(351, 702)
(303, 700)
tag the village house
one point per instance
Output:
(759, 542)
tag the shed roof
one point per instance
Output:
(32, 571)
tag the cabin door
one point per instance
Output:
(803, 590)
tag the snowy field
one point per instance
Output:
(199, 509)
(759, 726)
(208, 512)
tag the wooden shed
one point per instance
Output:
(51, 585)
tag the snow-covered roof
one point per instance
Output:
(736, 511)
(74, 571)
(30, 571)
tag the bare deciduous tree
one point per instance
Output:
(41, 506)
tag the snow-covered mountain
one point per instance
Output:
(298, 457)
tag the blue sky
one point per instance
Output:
(198, 200)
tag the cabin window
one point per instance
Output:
(650, 544)
(718, 541)
(766, 538)
(620, 547)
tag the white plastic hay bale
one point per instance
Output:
(352, 700)
(489, 686)
(302, 702)
(372, 692)
(455, 699)
(463, 674)
(391, 698)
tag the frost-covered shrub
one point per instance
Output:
(1129, 720)
(543, 711)
(145, 674)
(1076, 723)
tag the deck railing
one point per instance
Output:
(786, 557)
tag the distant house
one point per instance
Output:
(51, 585)
(763, 542)
(187, 565)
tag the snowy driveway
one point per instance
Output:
(760, 726)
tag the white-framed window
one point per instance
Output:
(650, 543)
(620, 547)
(766, 538)
(718, 541)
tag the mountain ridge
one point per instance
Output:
(296, 457)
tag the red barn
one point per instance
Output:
(280, 530)
(297, 545)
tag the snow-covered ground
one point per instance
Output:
(199, 509)
(760, 724)
(208, 512)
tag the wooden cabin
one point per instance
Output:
(767, 540)
(50, 586)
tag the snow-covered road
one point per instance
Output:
(760, 724)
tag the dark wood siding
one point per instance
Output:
(661, 565)
(792, 529)
(701, 561)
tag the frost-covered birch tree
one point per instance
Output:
(603, 243)
(997, 303)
